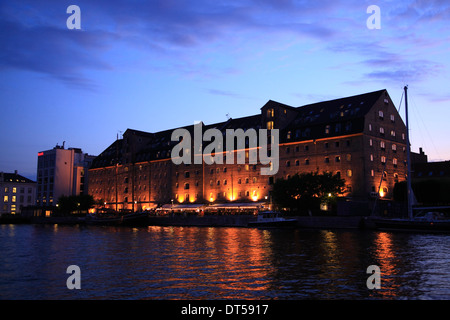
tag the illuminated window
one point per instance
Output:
(13, 199)
(349, 173)
(383, 159)
(270, 113)
(5, 199)
(269, 125)
(14, 190)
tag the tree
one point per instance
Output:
(70, 204)
(306, 191)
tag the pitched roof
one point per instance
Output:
(343, 115)
(346, 114)
(14, 177)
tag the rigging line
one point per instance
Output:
(400, 104)
(426, 129)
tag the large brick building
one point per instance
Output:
(362, 138)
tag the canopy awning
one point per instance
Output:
(188, 206)
(243, 205)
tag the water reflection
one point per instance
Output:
(219, 263)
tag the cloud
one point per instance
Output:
(59, 53)
(183, 32)
(34, 35)
(226, 93)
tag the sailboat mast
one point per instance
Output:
(408, 159)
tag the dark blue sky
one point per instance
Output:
(156, 65)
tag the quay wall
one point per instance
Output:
(318, 222)
(350, 222)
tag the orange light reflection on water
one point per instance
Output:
(387, 261)
(229, 260)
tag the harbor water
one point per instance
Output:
(199, 263)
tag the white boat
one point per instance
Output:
(272, 219)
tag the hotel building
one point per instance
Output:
(361, 138)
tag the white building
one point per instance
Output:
(61, 172)
(16, 192)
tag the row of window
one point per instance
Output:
(306, 162)
(383, 145)
(381, 116)
(326, 145)
(395, 175)
(14, 190)
(382, 132)
(14, 199)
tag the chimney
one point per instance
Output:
(15, 172)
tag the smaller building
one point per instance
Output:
(16, 192)
(61, 172)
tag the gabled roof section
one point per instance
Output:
(338, 109)
(110, 156)
(15, 177)
(342, 116)
(272, 103)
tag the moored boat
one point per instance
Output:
(428, 221)
(116, 218)
(272, 219)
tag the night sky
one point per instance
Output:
(157, 65)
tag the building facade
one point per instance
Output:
(361, 138)
(16, 192)
(61, 172)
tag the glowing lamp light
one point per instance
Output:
(382, 194)
(40, 154)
